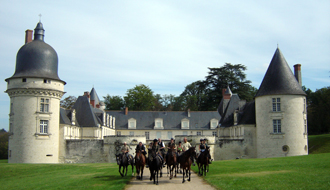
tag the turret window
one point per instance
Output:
(277, 126)
(44, 105)
(43, 126)
(276, 104)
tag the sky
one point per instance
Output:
(115, 45)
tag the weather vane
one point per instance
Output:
(40, 17)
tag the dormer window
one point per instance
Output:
(213, 123)
(158, 123)
(73, 117)
(132, 123)
(23, 79)
(185, 123)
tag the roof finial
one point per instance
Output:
(277, 45)
(40, 17)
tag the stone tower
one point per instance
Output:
(35, 91)
(281, 117)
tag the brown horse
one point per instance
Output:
(171, 161)
(122, 161)
(203, 162)
(185, 162)
(140, 161)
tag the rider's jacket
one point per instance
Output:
(140, 148)
(202, 147)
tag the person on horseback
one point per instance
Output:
(179, 147)
(156, 148)
(161, 146)
(141, 147)
(202, 147)
(125, 150)
(169, 148)
(207, 147)
(185, 146)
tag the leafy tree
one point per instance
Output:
(4, 137)
(318, 110)
(140, 98)
(68, 102)
(114, 102)
(168, 102)
(195, 96)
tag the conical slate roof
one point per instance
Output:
(94, 96)
(279, 79)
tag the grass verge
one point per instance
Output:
(62, 176)
(298, 172)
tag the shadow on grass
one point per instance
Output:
(113, 178)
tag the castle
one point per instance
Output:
(273, 125)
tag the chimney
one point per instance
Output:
(28, 36)
(188, 112)
(87, 95)
(223, 92)
(126, 110)
(297, 73)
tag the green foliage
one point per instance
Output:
(4, 136)
(62, 176)
(113, 102)
(297, 172)
(319, 144)
(140, 98)
(68, 102)
(318, 110)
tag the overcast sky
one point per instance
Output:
(166, 45)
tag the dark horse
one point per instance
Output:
(185, 162)
(203, 162)
(122, 161)
(155, 165)
(171, 161)
(140, 161)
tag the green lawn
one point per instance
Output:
(298, 172)
(62, 176)
(319, 144)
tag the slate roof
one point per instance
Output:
(86, 115)
(36, 59)
(94, 96)
(279, 78)
(65, 117)
(145, 120)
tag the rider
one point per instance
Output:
(185, 146)
(169, 145)
(141, 147)
(161, 147)
(179, 147)
(156, 148)
(207, 147)
(201, 147)
(125, 150)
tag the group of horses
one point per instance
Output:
(155, 162)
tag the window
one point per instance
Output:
(214, 133)
(158, 123)
(158, 134)
(169, 134)
(147, 135)
(44, 105)
(304, 105)
(277, 126)
(23, 79)
(43, 126)
(118, 133)
(213, 123)
(132, 123)
(185, 133)
(276, 104)
(305, 126)
(131, 133)
(199, 133)
(46, 81)
(185, 124)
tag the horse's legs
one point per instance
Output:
(141, 172)
(183, 175)
(189, 173)
(120, 171)
(132, 168)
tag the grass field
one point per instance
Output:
(299, 172)
(62, 176)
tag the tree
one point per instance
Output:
(158, 100)
(195, 96)
(318, 110)
(168, 102)
(140, 98)
(113, 102)
(68, 102)
(4, 137)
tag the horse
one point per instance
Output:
(122, 161)
(185, 162)
(171, 161)
(203, 162)
(140, 161)
(155, 165)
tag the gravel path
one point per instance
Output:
(167, 184)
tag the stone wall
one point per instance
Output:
(85, 151)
